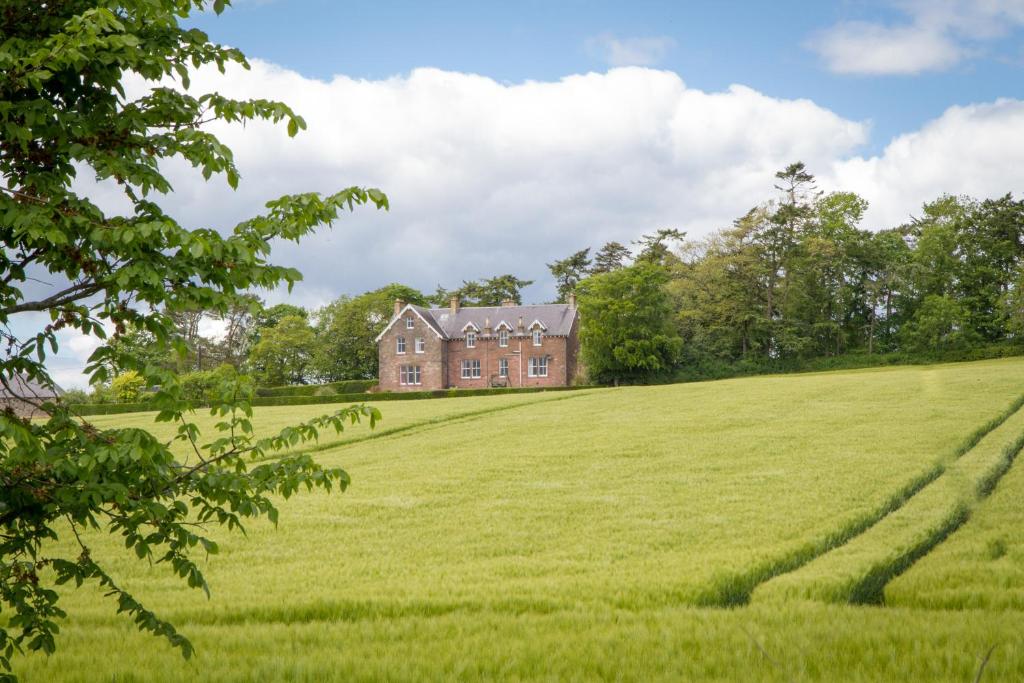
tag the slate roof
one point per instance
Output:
(556, 318)
(23, 387)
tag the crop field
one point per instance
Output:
(857, 525)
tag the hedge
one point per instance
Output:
(349, 386)
(712, 369)
(112, 408)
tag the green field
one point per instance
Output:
(683, 532)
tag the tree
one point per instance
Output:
(490, 292)
(283, 354)
(611, 256)
(347, 327)
(568, 272)
(627, 332)
(657, 247)
(937, 324)
(66, 113)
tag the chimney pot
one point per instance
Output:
(454, 304)
(508, 303)
(399, 305)
(572, 299)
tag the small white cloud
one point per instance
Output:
(870, 49)
(937, 35)
(630, 51)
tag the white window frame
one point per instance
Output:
(400, 345)
(420, 345)
(503, 338)
(538, 336)
(471, 368)
(410, 322)
(503, 367)
(410, 375)
(538, 366)
(470, 339)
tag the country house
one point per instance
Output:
(479, 346)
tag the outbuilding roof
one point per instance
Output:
(23, 387)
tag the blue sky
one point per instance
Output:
(711, 45)
(511, 134)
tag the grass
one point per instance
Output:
(981, 566)
(859, 570)
(580, 538)
(399, 416)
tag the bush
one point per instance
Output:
(127, 387)
(349, 386)
(713, 368)
(76, 396)
(202, 384)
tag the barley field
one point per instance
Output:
(860, 525)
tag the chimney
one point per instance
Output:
(487, 326)
(399, 305)
(454, 303)
(508, 303)
(572, 299)
(519, 327)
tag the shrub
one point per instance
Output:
(127, 387)
(76, 396)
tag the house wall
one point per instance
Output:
(441, 362)
(572, 354)
(431, 361)
(488, 353)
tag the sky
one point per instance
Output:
(508, 135)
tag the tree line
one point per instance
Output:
(798, 278)
(794, 278)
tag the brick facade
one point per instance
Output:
(431, 362)
(443, 355)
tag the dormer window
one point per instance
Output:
(470, 339)
(537, 336)
(503, 337)
(400, 345)
(410, 323)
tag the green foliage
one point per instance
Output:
(348, 386)
(65, 112)
(568, 272)
(202, 385)
(611, 256)
(627, 333)
(284, 352)
(127, 387)
(488, 292)
(938, 323)
(75, 396)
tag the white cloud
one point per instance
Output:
(937, 35)
(629, 51)
(487, 178)
(976, 150)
